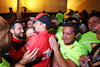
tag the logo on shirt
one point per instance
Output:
(93, 45)
(28, 42)
(72, 47)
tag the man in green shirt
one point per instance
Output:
(70, 51)
(90, 39)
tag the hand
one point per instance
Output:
(29, 32)
(29, 57)
(97, 28)
(84, 58)
(97, 31)
(53, 43)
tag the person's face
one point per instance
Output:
(54, 22)
(18, 31)
(30, 24)
(68, 35)
(38, 26)
(92, 22)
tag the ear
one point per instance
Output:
(12, 31)
(43, 25)
(77, 35)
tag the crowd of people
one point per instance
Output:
(45, 41)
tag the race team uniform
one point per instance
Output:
(89, 40)
(73, 52)
(40, 41)
(16, 51)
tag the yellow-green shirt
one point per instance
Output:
(4, 63)
(73, 52)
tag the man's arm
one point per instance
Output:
(27, 57)
(59, 59)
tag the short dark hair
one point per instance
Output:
(24, 21)
(97, 14)
(12, 24)
(69, 19)
(74, 25)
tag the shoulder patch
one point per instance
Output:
(28, 42)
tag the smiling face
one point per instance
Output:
(93, 21)
(30, 24)
(39, 26)
(18, 31)
(68, 34)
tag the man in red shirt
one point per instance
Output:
(5, 41)
(40, 40)
(17, 31)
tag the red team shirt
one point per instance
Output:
(15, 54)
(44, 55)
(40, 41)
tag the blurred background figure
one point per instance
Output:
(11, 17)
(60, 17)
(54, 26)
(29, 24)
(84, 18)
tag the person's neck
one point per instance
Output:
(70, 42)
(42, 30)
(16, 38)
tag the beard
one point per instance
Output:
(18, 36)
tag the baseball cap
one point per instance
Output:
(43, 18)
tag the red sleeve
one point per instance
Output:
(31, 44)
